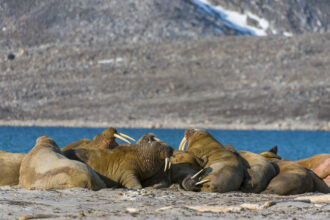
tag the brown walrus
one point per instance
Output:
(45, 167)
(223, 171)
(292, 178)
(126, 166)
(184, 164)
(105, 140)
(10, 164)
(319, 163)
(259, 172)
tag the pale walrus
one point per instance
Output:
(184, 164)
(10, 163)
(125, 166)
(319, 163)
(45, 167)
(105, 140)
(293, 178)
(223, 170)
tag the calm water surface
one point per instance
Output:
(292, 144)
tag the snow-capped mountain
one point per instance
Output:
(38, 22)
(267, 17)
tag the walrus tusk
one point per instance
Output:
(183, 144)
(126, 136)
(169, 165)
(166, 164)
(157, 139)
(197, 174)
(121, 138)
(201, 182)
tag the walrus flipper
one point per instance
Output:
(131, 181)
(192, 183)
(319, 184)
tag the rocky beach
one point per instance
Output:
(162, 64)
(172, 203)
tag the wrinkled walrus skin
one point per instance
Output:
(105, 140)
(259, 172)
(45, 167)
(223, 169)
(184, 164)
(10, 164)
(293, 178)
(125, 166)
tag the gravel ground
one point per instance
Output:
(169, 203)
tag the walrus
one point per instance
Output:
(125, 166)
(45, 167)
(105, 140)
(184, 164)
(292, 178)
(222, 171)
(259, 172)
(10, 164)
(319, 163)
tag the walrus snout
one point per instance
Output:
(166, 152)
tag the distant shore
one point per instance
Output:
(285, 125)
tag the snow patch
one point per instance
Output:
(235, 20)
(108, 61)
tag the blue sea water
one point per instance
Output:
(292, 145)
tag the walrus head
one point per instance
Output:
(46, 141)
(149, 138)
(271, 155)
(156, 151)
(106, 140)
(197, 137)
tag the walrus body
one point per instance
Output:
(76, 144)
(319, 164)
(223, 169)
(292, 177)
(10, 164)
(105, 140)
(126, 166)
(259, 172)
(45, 167)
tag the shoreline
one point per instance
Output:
(276, 126)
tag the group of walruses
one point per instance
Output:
(204, 165)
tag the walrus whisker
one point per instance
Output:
(197, 174)
(121, 138)
(201, 182)
(183, 144)
(126, 136)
